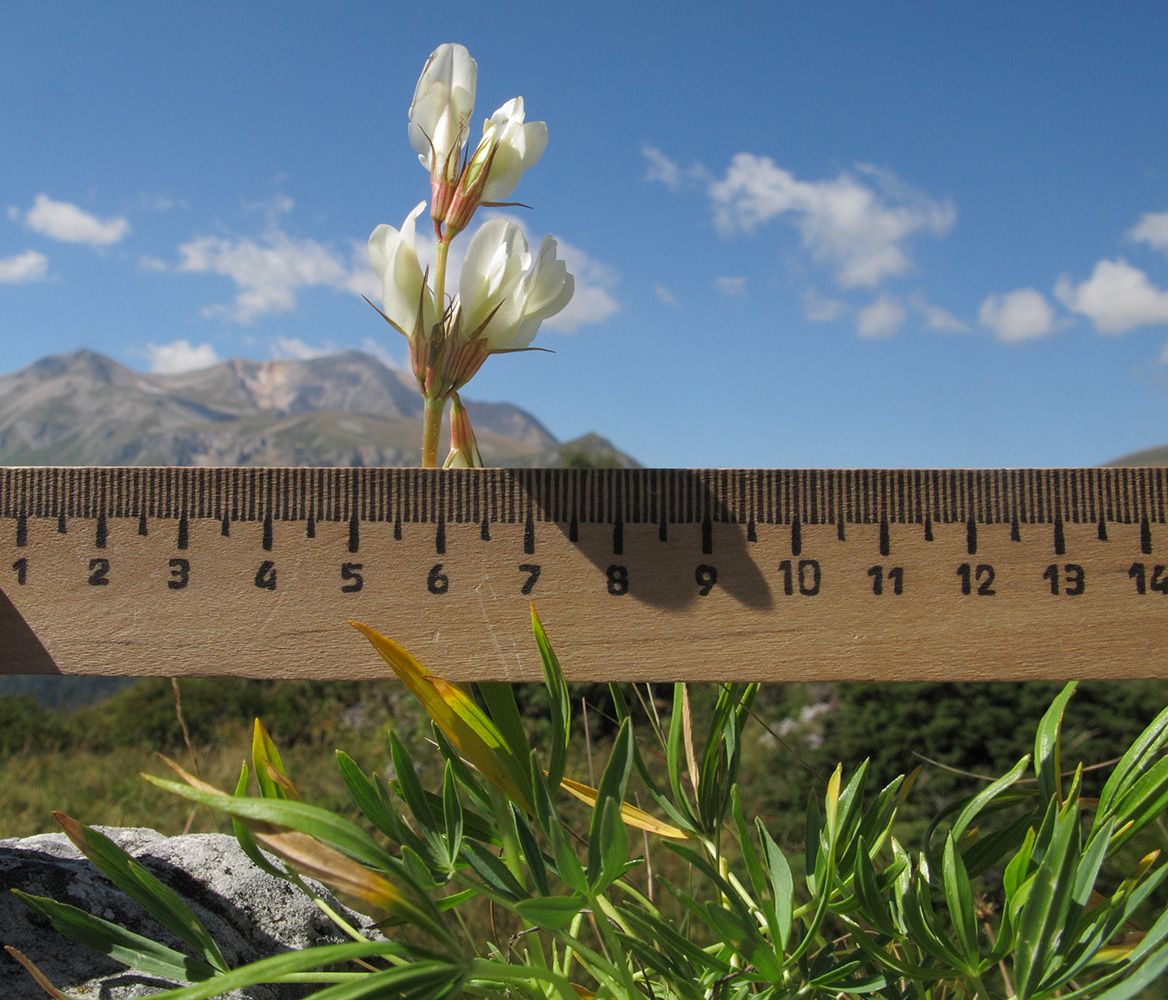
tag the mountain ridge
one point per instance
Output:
(344, 409)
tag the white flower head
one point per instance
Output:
(504, 293)
(393, 255)
(441, 110)
(516, 147)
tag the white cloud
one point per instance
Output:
(294, 347)
(1117, 298)
(665, 295)
(731, 286)
(592, 302)
(23, 268)
(937, 318)
(880, 319)
(179, 356)
(270, 270)
(856, 225)
(818, 309)
(1151, 229)
(160, 202)
(1017, 316)
(668, 172)
(64, 221)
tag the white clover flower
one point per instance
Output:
(504, 292)
(441, 110)
(512, 146)
(393, 256)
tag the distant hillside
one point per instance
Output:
(1149, 456)
(345, 409)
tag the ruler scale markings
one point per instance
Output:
(749, 504)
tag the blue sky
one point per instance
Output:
(804, 234)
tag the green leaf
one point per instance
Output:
(121, 945)
(812, 847)
(959, 900)
(247, 842)
(370, 797)
(1015, 879)
(982, 799)
(410, 789)
(682, 951)
(264, 755)
(1044, 913)
(499, 697)
(990, 849)
(551, 912)
(1143, 801)
(568, 866)
(915, 912)
(782, 884)
(465, 775)
(161, 902)
(1133, 763)
(873, 909)
(750, 857)
(390, 982)
(608, 840)
(532, 854)
(313, 820)
(876, 822)
(1047, 746)
(452, 815)
(850, 815)
(559, 703)
(492, 870)
(1151, 971)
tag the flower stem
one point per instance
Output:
(431, 430)
(440, 252)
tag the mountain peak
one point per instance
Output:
(342, 409)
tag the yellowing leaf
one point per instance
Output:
(40, 977)
(632, 816)
(467, 727)
(347, 878)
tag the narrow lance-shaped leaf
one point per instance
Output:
(270, 816)
(782, 883)
(631, 815)
(161, 902)
(466, 726)
(1043, 915)
(559, 703)
(607, 839)
(1047, 741)
(1137, 758)
(132, 950)
(269, 768)
(959, 900)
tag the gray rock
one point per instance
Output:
(250, 914)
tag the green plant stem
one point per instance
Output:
(431, 430)
(979, 989)
(440, 252)
(513, 859)
(603, 910)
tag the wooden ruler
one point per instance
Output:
(637, 574)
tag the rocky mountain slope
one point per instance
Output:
(345, 409)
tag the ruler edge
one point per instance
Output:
(1038, 495)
